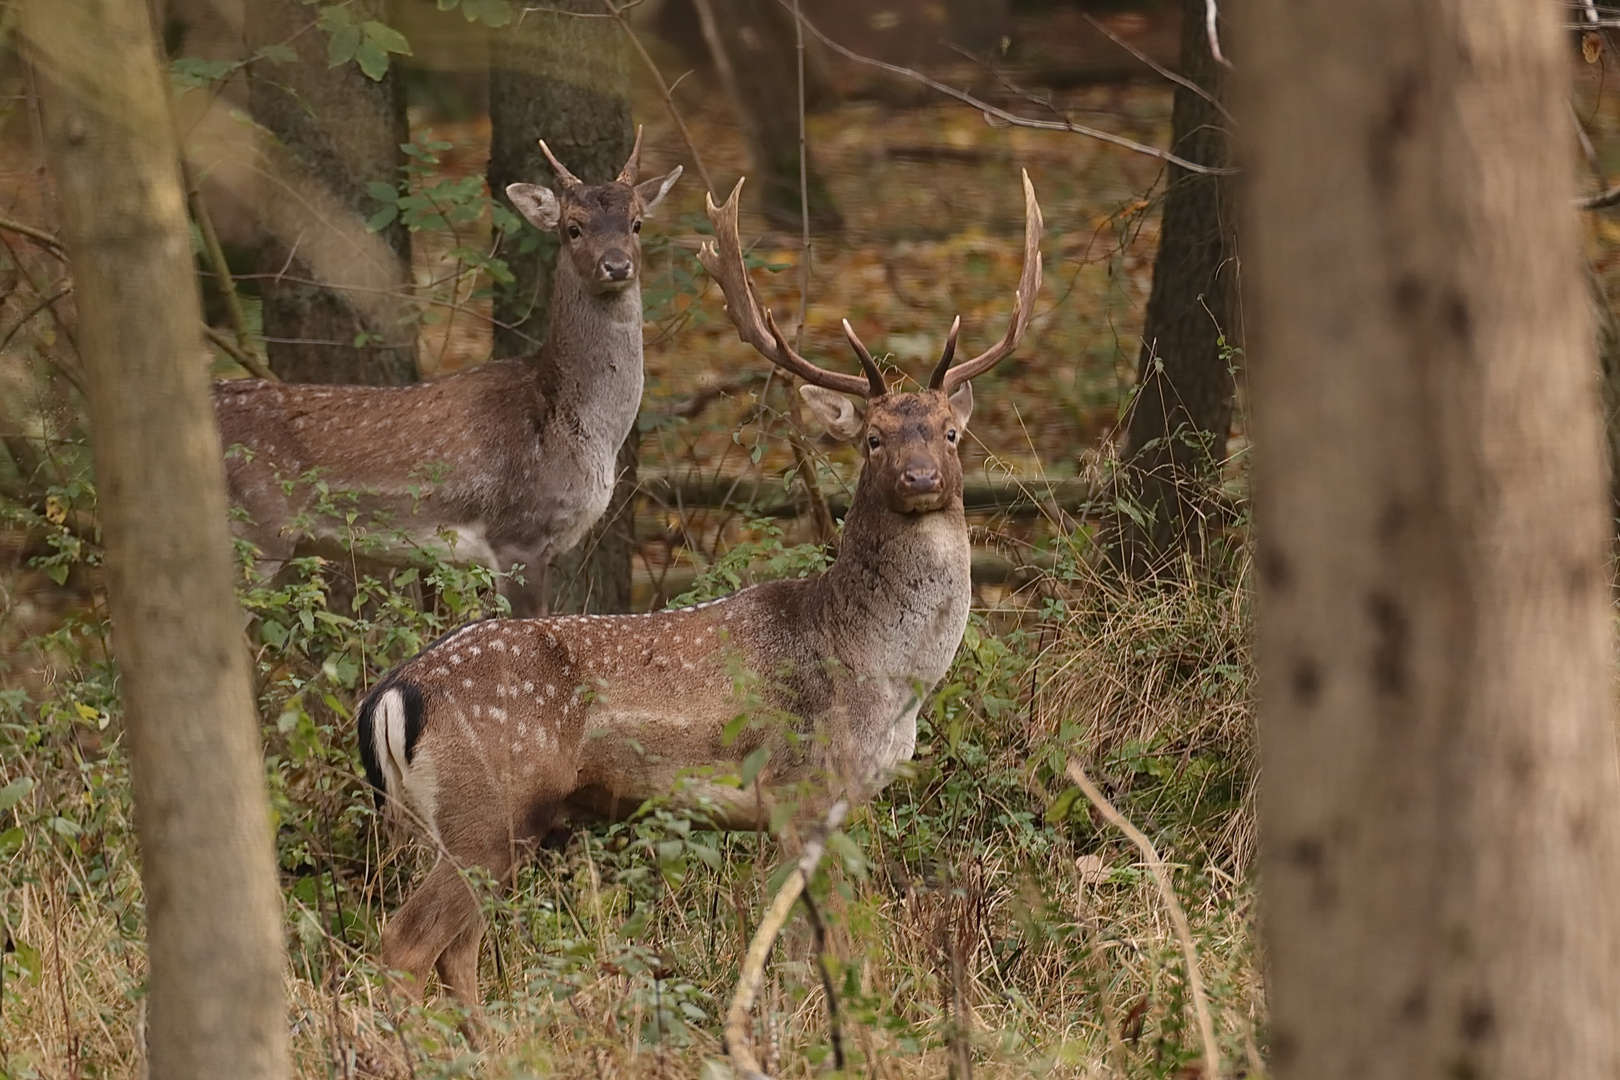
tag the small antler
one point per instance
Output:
(937, 379)
(874, 375)
(948, 378)
(564, 177)
(632, 164)
(722, 258)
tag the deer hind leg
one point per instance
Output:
(441, 910)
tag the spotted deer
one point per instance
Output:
(508, 727)
(504, 464)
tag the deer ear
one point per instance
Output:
(538, 204)
(962, 404)
(837, 412)
(652, 192)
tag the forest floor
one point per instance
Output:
(979, 912)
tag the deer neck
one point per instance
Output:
(590, 368)
(895, 602)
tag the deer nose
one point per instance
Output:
(921, 481)
(616, 267)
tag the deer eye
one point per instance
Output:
(950, 436)
(873, 442)
(574, 232)
(635, 227)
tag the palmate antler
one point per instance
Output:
(722, 258)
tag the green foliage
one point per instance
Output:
(367, 42)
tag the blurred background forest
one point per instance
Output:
(340, 159)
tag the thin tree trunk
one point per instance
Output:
(336, 127)
(1176, 436)
(1440, 846)
(566, 80)
(208, 867)
(752, 45)
(1608, 348)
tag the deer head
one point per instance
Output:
(599, 225)
(909, 440)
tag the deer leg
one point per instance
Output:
(531, 598)
(440, 910)
(458, 974)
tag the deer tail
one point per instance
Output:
(390, 721)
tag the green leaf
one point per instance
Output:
(1062, 805)
(405, 577)
(733, 728)
(382, 192)
(373, 59)
(382, 218)
(389, 39)
(280, 54)
(753, 763)
(342, 46)
(11, 841)
(57, 572)
(496, 13)
(13, 792)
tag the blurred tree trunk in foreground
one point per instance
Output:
(207, 866)
(335, 127)
(752, 45)
(564, 79)
(1441, 863)
(1176, 435)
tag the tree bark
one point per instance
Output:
(1176, 435)
(1441, 863)
(208, 866)
(753, 48)
(1608, 350)
(336, 127)
(566, 80)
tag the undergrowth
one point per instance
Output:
(976, 907)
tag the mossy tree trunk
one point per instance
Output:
(336, 128)
(208, 871)
(1177, 430)
(1440, 848)
(564, 79)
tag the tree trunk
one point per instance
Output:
(753, 48)
(1176, 436)
(1439, 836)
(566, 80)
(336, 127)
(1608, 347)
(208, 867)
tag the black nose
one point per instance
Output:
(616, 267)
(921, 481)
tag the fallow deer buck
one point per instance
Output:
(507, 727)
(510, 462)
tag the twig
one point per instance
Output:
(1003, 115)
(668, 92)
(1161, 878)
(39, 236)
(28, 315)
(1601, 201)
(1179, 80)
(1587, 149)
(222, 273)
(803, 465)
(738, 1044)
(694, 405)
(1210, 13)
(835, 1026)
(255, 366)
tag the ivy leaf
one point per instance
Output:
(382, 218)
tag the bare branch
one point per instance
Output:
(738, 1044)
(1179, 80)
(1161, 878)
(616, 12)
(39, 236)
(1003, 115)
(1210, 13)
